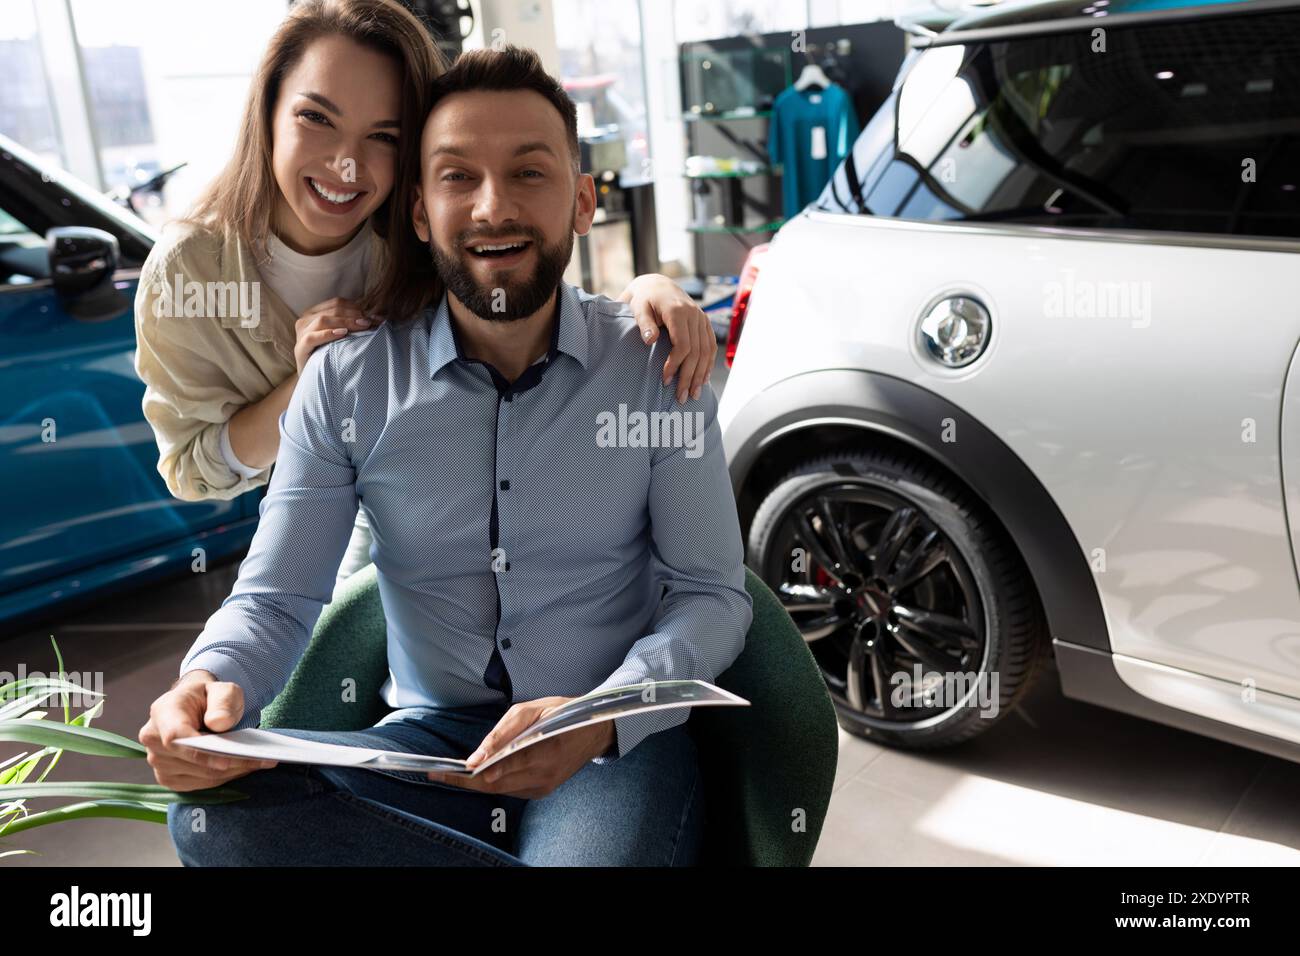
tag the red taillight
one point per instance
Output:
(738, 309)
(741, 305)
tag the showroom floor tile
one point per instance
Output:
(1059, 782)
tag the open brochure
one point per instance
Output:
(579, 712)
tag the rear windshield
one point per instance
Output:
(1189, 126)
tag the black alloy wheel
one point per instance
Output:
(916, 607)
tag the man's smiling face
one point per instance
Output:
(500, 199)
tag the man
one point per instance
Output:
(531, 545)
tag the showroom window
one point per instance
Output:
(26, 116)
(727, 18)
(1189, 126)
(696, 20)
(601, 68)
(166, 83)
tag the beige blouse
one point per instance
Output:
(211, 337)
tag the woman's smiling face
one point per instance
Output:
(334, 142)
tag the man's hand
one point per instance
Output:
(197, 702)
(657, 300)
(532, 773)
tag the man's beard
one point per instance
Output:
(502, 300)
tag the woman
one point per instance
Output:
(299, 220)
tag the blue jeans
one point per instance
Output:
(644, 809)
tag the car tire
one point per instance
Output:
(877, 518)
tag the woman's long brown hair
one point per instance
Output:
(242, 198)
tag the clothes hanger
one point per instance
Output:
(812, 75)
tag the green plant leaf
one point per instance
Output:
(19, 707)
(18, 773)
(59, 657)
(13, 773)
(81, 720)
(125, 809)
(54, 762)
(84, 718)
(121, 791)
(18, 810)
(29, 684)
(24, 770)
(13, 759)
(84, 740)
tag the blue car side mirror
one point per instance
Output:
(82, 263)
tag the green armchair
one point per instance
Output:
(768, 769)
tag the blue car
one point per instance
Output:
(83, 510)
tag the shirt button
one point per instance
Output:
(506, 644)
(505, 484)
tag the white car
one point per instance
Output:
(1024, 382)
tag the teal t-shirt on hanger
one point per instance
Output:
(810, 134)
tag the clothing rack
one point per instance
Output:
(834, 55)
(742, 209)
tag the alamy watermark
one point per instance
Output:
(1074, 298)
(127, 910)
(947, 689)
(91, 681)
(190, 299)
(638, 429)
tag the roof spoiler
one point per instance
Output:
(928, 24)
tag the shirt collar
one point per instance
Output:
(568, 334)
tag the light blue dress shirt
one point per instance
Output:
(618, 553)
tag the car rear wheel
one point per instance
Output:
(919, 610)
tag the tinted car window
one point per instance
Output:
(1189, 126)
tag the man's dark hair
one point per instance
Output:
(503, 68)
